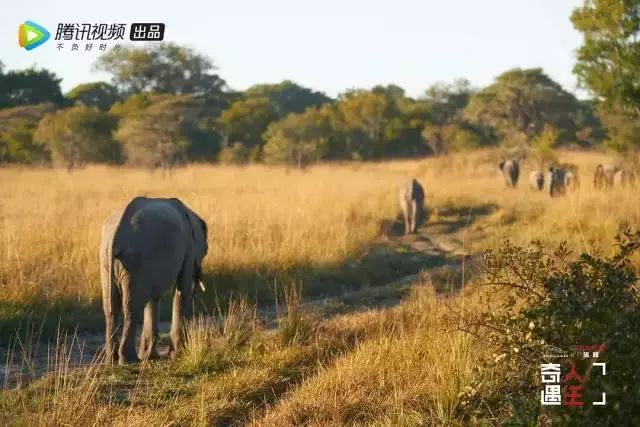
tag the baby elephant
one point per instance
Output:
(412, 203)
(536, 180)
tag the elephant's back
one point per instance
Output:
(150, 224)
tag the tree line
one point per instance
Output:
(165, 104)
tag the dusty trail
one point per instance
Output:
(437, 249)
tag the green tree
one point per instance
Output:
(17, 126)
(97, 94)
(361, 117)
(288, 97)
(299, 139)
(28, 87)
(135, 103)
(623, 128)
(589, 129)
(518, 105)
(245, 121)
(404, 121)
(607, 65)
(453, 136)
(607, 62)
(203, 141)
(77, 135)
(165, 68)
(377, 123)
(159, 135)
(448, 99)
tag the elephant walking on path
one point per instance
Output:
(146, 248)
(412, 204)
(511, 171)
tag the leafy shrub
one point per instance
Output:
(539, 303)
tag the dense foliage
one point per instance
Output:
(553, 303)
(607, 65)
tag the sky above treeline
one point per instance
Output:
(329, 46)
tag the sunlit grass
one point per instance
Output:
(395, 366)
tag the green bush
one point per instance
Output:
(540, 303)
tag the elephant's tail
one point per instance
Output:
(108, 256)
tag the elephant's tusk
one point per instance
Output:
(202, 286)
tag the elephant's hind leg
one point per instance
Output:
(112, 312)
(181, 307)
(149, 336)
(405, 216)
(414, 216)
(130, 314)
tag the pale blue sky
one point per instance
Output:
(329, 45)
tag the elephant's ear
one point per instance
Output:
(205, 232)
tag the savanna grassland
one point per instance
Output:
(399, 364)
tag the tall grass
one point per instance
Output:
(259, 218)
(412, 372)
(210, 340)
(396, 366)
(269, 219)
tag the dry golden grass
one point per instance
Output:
(257, 216)
(410, 373)
(269, 218)
(396, 366)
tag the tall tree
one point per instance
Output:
(163, 68)
(300, 139)
(96, 94)
(381, 122)
(607, 62)
(159, 135)
(288, 97)
(362, 116)
(17, 126)
(623, 128)
(519, 103)
(30, 86)
(607, 65)
(448, 99)
(78, 135)
(246, 120)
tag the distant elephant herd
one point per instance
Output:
(565, 177)
(559, 179)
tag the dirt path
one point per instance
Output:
(437, 249)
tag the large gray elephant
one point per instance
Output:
(511, 171)
(412, 203)
(145, 248)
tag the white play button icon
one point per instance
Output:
(31, 35)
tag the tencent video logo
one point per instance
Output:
(31, 35)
